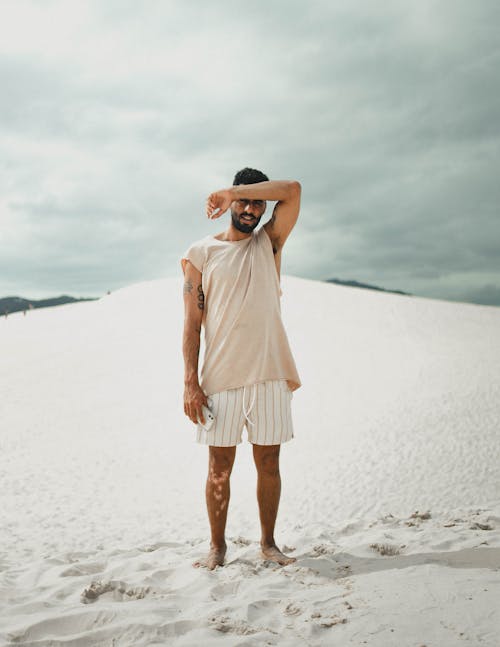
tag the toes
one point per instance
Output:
(280, 558)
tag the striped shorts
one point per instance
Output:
(264, 408)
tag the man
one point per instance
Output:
(232, 288)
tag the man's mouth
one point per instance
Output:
(247, 218)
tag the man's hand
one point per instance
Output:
(219, 200)
(194, 399)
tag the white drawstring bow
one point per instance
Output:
(246, 413)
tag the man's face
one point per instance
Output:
(246, 214)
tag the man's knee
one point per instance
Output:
(221, 460)
(267, 459)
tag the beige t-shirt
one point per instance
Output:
(245, 340)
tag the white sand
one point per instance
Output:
(102, 485)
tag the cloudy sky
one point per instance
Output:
(118, 117)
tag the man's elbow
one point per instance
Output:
(295, 188)
(192, 326)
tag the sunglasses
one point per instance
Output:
(255, 203)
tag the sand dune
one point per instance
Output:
(390, 488)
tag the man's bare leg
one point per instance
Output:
(266, 459)
(220, 465)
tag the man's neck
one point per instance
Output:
(232, 234)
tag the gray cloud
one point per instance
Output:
(118, 125)
(488, 295)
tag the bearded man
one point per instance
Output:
(232, 290)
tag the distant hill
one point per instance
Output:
(15, 304)
(355, 284)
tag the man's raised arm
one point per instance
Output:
(285, 213)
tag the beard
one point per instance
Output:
(244, 227)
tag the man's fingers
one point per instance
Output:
(191, 413)
(194, 409)
(201, 416)
(210, 209)
(215, 206)
(218, 203)
(211, 213)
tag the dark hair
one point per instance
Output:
(249, 176)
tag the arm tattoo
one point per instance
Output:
(188, 286)
(201, 298)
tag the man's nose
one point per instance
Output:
(249, 208)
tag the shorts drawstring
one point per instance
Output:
(245, 413)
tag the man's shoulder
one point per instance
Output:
(196, 253)
(200, 245)
(201, 242)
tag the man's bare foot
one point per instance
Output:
(274, 554)
(214, 558)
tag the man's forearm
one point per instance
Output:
(280, 190)
(191, 351)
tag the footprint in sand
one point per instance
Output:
(386, 549)
(225, 589)
(265, 613)
(476, 525)
(292, 609)
(224, 624)
(323, 549)
(119, 589)
(241, 541)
